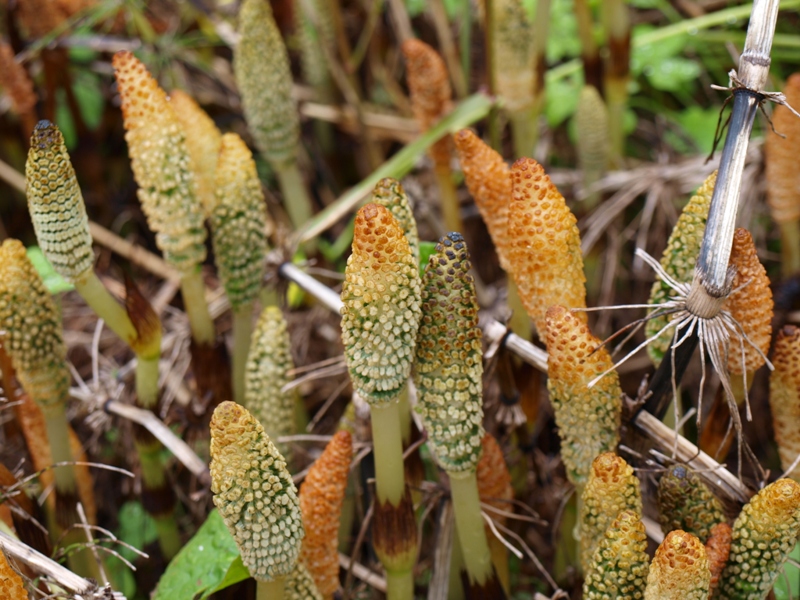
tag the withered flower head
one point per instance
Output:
(784, 396)
(781, 150)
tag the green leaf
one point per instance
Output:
(208, 563)
(426, 249)
(672, 74)
(561, 100)
(789, 586)
(136, 528)
(700, 124)
(54, 282)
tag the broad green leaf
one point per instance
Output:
(672, 74)
(209, 562)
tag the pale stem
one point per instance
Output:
(388, 448)
(790, 247)
(92, 290)
(404, 411)
(270, 590)
(242, 329)
(470, 527)
(193, 291)
(295, 196)
(400, 585)
(147, 381)
(55, 419)
(451, 211)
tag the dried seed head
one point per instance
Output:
(429, 87)
(494, 480)
(620, 564)
(718, 548)
(750, 306)
(161, 165)
(588, 419)
(267, 372)
(678, 261)
(254, 493)
(544, 244)
(489, 181)
(449, 366)
(684, 502)
(784, 396)
(203, 143)
(11, 585)
(299, 585)
(32, 327)
(238, 222)
(612, 487)
(781, 150)
(381, 312)
(763, 535)
(679, 570)
(56, 204)
(591, 125)
(321, 497)
(261, 65)
(389, 193)
(15, 81)
(513, 54)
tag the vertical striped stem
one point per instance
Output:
(520, 322)
(388, 449)
(296, 200)
(790, 248)
(400, 585)
(270, 590)
(447, 192)
(107, 308)
(469, 523)
(242, 328)
(194, 299)
(147, 381)
(524, 131)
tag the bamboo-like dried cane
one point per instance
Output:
(679, 570)
(678, 261)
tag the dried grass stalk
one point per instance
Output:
(678, 261)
